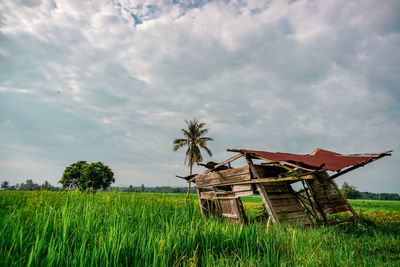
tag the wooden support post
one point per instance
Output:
(319, 208)
(267, 203)
(309, 199)
(308, 210)
(263, 193)
(200, 202)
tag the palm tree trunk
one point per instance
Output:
(188, 192)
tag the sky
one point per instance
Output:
(114, 81)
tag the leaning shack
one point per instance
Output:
(220, 187)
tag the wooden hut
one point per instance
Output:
(220, 187)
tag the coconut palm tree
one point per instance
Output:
(194, 140)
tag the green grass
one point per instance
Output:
(128, 229)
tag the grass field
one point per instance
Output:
(132, 229)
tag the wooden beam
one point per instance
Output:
(187, 178)
(266, 180)
(201, 201)
(309, 199)
(319, 208)
(263, 193)
(271, 161)
(234, 150)
(220, 164)
(286, 163)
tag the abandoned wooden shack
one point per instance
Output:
(221, 186)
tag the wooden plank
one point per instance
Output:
(328, 196)
(224, 162)
(262, 192)
(283, 202)
(241, 211)
(276, 189)
(286, 163)
(232, 209)
(323, 186)
(289, 208)
(351, 210)
(207, 194)
(304, 220)
(239, 179)
(282, 196)
(244, 180)
(291, 215)
(222, 174)
(314, 195)
(301, 218)
(265, 171)
(229, 197)
(244, 193)
(332, 202)
(237, 210)
(336, 209)
(228, 215)
(201, 201)
(331, 199)
(239, 188)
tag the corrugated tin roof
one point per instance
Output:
(320, 158)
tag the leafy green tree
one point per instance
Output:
(85, 176)
(350, 191)
(29, 185)
(5, 185)
(194, 140)
(46, 186)
(72, 175)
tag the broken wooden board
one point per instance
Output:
(327, 195)
(222, 177)
(231, 208)
(286, 205)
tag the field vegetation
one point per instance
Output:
(137, 229)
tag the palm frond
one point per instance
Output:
(187, 156)
(206, 139)
(208, 150)
(203, 132)
(178, 143)
(185, 133)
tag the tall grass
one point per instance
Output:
(128, 229)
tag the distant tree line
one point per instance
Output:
(348, 191)
(351, 192)
(157, 189)
(29, 185)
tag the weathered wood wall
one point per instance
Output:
(281, 201)
(284, 201)
(327, 195)
(223, 177)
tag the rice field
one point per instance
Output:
(133, 229)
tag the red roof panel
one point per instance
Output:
(319, 158)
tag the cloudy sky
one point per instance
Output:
(113, 81)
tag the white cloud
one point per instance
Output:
(114, 81)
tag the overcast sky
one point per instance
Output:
(113, 81)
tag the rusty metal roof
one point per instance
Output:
(320, 158)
